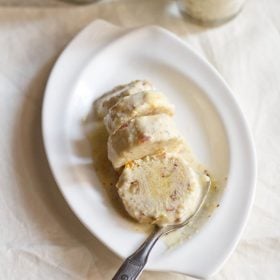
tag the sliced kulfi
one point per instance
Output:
(139, 104)
(161, 189)
(105, 102)
(142, 136)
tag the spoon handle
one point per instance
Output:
(134, 264)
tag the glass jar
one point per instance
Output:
(211, 12)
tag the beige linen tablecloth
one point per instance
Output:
(40, 238)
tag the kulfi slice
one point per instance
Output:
(105, 102)
(161, 189)
(142, 136)
(139, 104)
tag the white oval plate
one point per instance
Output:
(206, 114)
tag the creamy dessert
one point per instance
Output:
(142, 136)
(160, 189)
(158, 182)
(139, 104)
(103, 104)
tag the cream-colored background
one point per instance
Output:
(40, 238)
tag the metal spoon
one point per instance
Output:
(134, 264)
